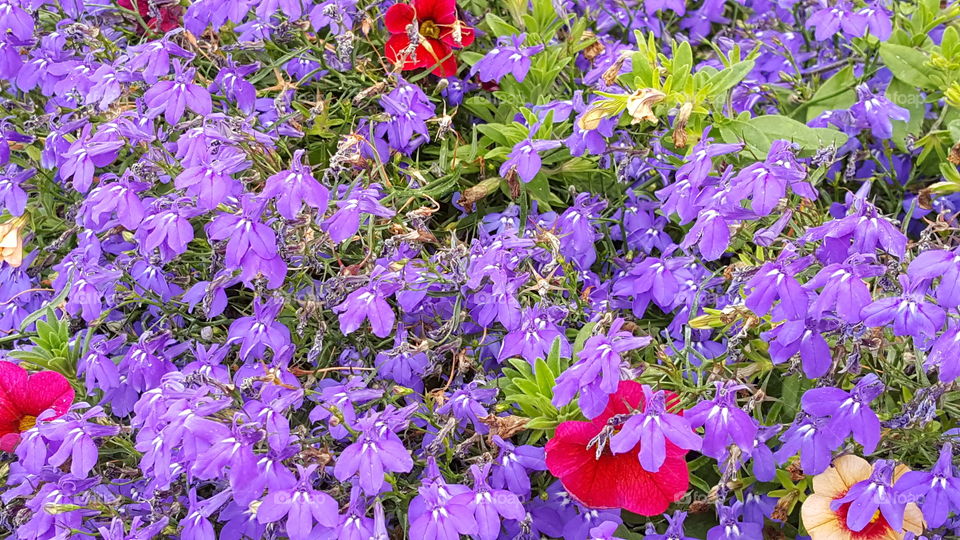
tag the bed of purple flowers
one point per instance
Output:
(421, 269)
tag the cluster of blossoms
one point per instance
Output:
(591, 269)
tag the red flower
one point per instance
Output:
(164, 19)
(440, 31)
(616, 481)
(24, 397)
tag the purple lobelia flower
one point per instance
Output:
(828, 21)
(345, 222)
(525, 160)
(166, 228)
(723, 422)
(848, 411)
(301, 505)
(376, 450)
(674, 528)
(801, 337)
(942, 264)
(295, 187)
(173, 97)
(231, 83)
(337, 15)
(874, 494)
(861, 231)
(153, 57)
(261, 330)
(515, 466)
(813, 439)
(435, 515)
(489, 505)
(939, 488)
(945, 353)
(875, 112)
(211, 180)
(731, 527)
(86, 154)
(844, 292)
(16, 20)
(878, 19)
(12, 196)
(534, 337)
(409, 109)
(244, 233)
(596, 374)
(369, 303)
(910, 313)
(509, 56)
(652, 428)
(766, 182)
(776, 280)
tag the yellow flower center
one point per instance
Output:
(27, 422)
(429, 29)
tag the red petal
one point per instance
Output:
(45, 390)
(395, 48)
(438, 11)
(398, 17)
(466, 35)
(435, 54)
(613, 481)
(12, 377)
(8, 441)
(629, 395)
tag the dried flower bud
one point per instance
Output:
(640, 105)
(11, 241)
(680, 125)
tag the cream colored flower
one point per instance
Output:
(824, 523)
(11, 241)
(640, 105)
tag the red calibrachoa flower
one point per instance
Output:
(164, 19)
(437, 29)
(616, 480)
(25, 397)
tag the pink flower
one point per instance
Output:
(25, 397)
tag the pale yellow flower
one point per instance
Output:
(824, 523)
(11, 241)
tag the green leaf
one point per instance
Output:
(908, 97)
(907, 64)
(836, 93)
(811, 139)
(545, 378)
(729, 77)
(500, 27)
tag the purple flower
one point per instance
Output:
(345, 222)
(524, 159)
(154, 58)
(210, 180)
(261, 330)
(596, 374)
(878, 19)
(731, 527)
(515, 466)
(12, 196)
(509, 56)
(301, 505)
(828, 21)
(489, 505)
(534, 337)
(943, 264)
(910, 313)
(230, 81)
(945, 354)
(723, 422)
(844, 291)
(377, 449)
(939, 488)
(368, 303)
(674, 528)
(875, 112)
(244, 233)
(172, 97)
(848, 411)
(874, 494)
(435, 515)
(802, 337)
(766, 183)
(776, 280)
(86, 154)
(652, 428)
(813, 439)
(294, 187)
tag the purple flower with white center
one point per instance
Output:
(244, 233)
(489, 505)
(295, 187)
(515, 466)
(173, 97)
(844, 290)
(341, 397)
(12, 196)
(943, 264)
(848, 411)
(945, 354)
(409, 109)
(577, 231)
(114, 200)
(345, 222)
(509, 56)
(813, 439)
(766, 183)
(369, 303)
(875, 111)
(525, 160)
(231, 83)
(652, 428)
(874, 494)
(711, 234)
(910, 313)
(435, 515)
(75, 434)
(106, 89)
(596, 374)
(878, 19)
(154, 58)
(354, 524)
(731, 527)
(723, 422)
(534, 337)
(776, 280)
(337, 15)
(261, 330)
(210, 181)
(301, 505)
(15, 19)
(375, 452)
(166, 228)
(86, 154)
(466, 404)
(828, 21)
(802, 337)
(674, 528)
(939, 488)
